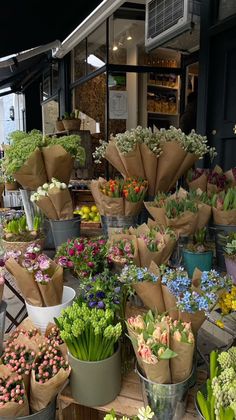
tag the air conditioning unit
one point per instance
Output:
(172, 24)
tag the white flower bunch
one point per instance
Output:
(42, 191)
(100, 151)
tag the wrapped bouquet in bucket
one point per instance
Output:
(55, 202)
(33, 369)
(40, 281)
(161, 157)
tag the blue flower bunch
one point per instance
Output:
(176, 280)
(191, 301)
(132, 274)
(212, 281)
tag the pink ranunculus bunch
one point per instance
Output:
(85, 256)
(18, 358)
(48, 364)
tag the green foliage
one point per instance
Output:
(72, 144)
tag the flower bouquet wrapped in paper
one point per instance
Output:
(182, 342)
(216, 181)
(231, 176)
(54, 200)
(197, 178)
(123, 249)
(146, 284)
(13, 398)
(50, 372)
(39, 279)
(224, 207)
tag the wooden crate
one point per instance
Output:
(127, 403)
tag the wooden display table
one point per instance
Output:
(127, 403)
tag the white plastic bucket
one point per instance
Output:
(41, 316)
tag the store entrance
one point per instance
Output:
(222, 102)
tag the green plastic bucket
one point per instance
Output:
(3, 308)
(62, 230)
(95, 383)
(201, 260)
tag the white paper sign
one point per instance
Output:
(118, 105)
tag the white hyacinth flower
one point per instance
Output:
(145, 413)
(63, 186)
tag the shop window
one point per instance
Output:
(96, 49)
(124, 37)
(226, 8)
(55, 78)
(46, 86)
(79, 67)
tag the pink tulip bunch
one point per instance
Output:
(18, 358)
(48, 364)
(12, 390)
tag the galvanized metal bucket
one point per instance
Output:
(110, 224)
(3, 308)
(48, 413)
(167, 401)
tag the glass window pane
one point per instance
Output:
(124, 37)
(96, 56)
(46, 93)
(79, 67)
(55, 78)
(226, 8)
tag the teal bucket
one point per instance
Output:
(201, 260)
(62, 230)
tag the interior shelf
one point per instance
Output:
(162, 86)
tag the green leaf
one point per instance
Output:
(168, 354)
(203, 405)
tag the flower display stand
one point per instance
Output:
(127, 403)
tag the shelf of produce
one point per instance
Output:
(127, 403)
(163, 86)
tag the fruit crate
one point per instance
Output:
(92, 225)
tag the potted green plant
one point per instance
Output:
(17, 236)
(91, 336)
(71, 121)
(59, 124)
(198, 253)
(230, 255)
(10, 183)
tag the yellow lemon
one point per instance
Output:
(85, 209)
(94, 209)
(92, 215)
(85, 217)
(96, 219)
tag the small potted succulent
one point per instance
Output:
(198, 254)
(72, 121)
(230, 255)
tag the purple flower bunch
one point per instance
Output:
(36, 263)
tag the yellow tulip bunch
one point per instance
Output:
(227, 301)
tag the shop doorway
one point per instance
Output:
(221, 121)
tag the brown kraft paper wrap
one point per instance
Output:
(32, 174)
(200, 182)
(168, 164)
(132, 162)
(158, 257)
(132, 209)
(158, 372)
(62, 202)
(42, 394)
(12, 409)
(47, 207)
(151, 295)
(181, 365)
(170, 303)
(58, 163)
(149, 160)
(52, 291)
(212, 189)
(230, 176)
(196, 319)
(184, 224)
(224, 217)
(94, 186)
(25, 282)
(112, 206)
(204, 215)
(113, 157)
(133, 337)
(158, 213)
(187, 163)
